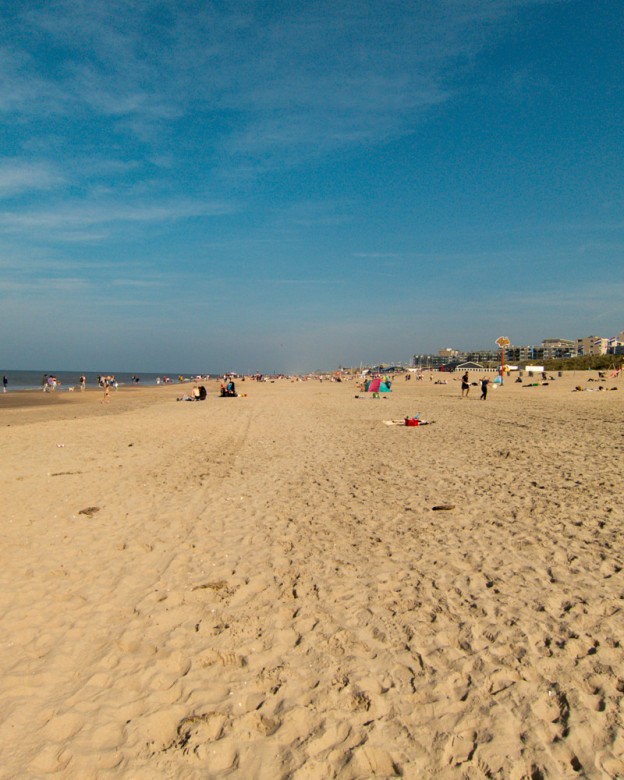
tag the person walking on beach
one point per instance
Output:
(465, 385)
(484, 388)
(107, 395)
(5, 382)
(83, 382)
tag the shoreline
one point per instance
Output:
(36, 398)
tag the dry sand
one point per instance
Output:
(260, 587)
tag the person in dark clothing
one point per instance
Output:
(465, 385)
(484, 388)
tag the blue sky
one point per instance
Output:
(298, 185)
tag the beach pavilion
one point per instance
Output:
(470, 365)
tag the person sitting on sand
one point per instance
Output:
(229, 390)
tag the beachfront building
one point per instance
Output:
(550, 349)
(484, 356)
(616, 344)
(559, 348)
(435, 362)
(448, 360)
(450, 354)
(526, 354)
(592, 345)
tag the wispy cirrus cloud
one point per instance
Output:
(44, 285)
(80, 215)
(138, 283)
(18, 176)
(299, 79)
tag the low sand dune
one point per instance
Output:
(261, 587)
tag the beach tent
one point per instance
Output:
(377, 386)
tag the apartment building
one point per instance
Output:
(526, 354)
(549, 349)
(592, 345)
(559, 348)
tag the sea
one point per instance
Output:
(32, 380)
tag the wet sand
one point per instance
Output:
(261, 587)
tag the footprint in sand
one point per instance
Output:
(459, 749)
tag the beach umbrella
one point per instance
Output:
(377, 386)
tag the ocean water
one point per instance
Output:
(31, 380)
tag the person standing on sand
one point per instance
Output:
(83, 382)
(465, 385)
(484, 388)
(107, 396)
(5, 382)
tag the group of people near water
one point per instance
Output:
(49, 383)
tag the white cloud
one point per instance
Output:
(44, 285)
(82, 215)
(300, 79)
(134, 283)
(20, 176)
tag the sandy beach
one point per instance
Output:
(264, 587)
